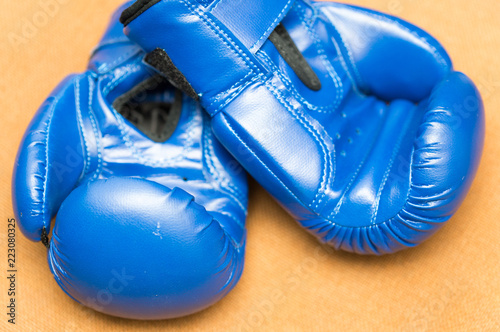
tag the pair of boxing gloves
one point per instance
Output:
(353, 120)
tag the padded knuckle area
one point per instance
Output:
(448, 147)
(169, 246)
(394, 58)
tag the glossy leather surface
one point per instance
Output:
(374, 162)
(144, 230)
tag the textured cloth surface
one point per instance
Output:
(290, 282)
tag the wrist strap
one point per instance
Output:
(212, 49)
(251, 22)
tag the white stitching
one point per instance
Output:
(233, 95)
(326, 62)
(258, 159)
(208, 155)
(272, 24)
(95, 129)
(45, 180)
(111, 65)
(306, 125)
(385, 178)
(229, 42)
(223, 93)
(290, 86)
(80, 123)
(122, 76)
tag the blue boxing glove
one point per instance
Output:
(353, 120)
(150, 207)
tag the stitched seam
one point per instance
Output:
(238, 222)
(347, 51)
(115, 81)
(329, 67)
(80, 124)
(288, 83)
(399, 214)
(122, 76)
(230, 192)
(341, 201)
(375, 225)
(350, 57)
(272, 24)
(225, 183)
(165, 162)
(94, 128)
(312, 131)
(220, 34)
(222, 94)
(233, 95)
(308, 4)
(258, 159)
(108, 66)
(45, 180)
(208, 153)
(348, 69)
(384, 180)
(389, 221)
(354, 177)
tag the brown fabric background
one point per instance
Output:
(290, 282)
